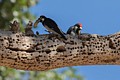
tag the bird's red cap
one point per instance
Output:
(79, 24)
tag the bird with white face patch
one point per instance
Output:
(75, 30)
(50, 25)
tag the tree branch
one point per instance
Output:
(45, 52)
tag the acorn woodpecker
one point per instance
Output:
(50, 25)
(28, 29)
(15, 27)
(75, 30)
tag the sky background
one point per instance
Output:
(97, 16)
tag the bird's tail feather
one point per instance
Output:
(63, 36)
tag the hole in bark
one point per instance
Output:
(18, 40)
(55, 45)
(47, 51)
(92, 59)
(72, 42)
(60, 49)
(114, 51)
(53, 50)
(13, 39)
(106, 45)
(83, 53)
(1, 39)
(23, 44)
(84, 50)
(17, 35)
(111, 44)
(40, 43)
(90, 45)
(68, 48)
(97, 42)
(51, 45)
(75, 43)
(5, 38)
(116, 43)
(90, 50)
(43, 51)
(81, 47)
(90, 53)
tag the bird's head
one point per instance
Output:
(40, 19)
(78, 26)
(15, 22)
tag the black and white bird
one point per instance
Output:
(75, 30)
(50, 25)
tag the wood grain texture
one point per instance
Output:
(44, 52)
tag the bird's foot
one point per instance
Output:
(55, 36)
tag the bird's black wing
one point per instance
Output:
(52, 24)
(69, 30)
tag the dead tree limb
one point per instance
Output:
(44, 52)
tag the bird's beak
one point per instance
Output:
(36, 23)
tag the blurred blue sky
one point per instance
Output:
(97, 16)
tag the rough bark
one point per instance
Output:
(43, 52)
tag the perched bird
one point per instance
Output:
(75, 30)
(50, 25)
(28, 29)
(15, 27)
